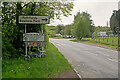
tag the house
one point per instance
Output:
(101, 34)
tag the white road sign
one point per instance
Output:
(34, 19)
(33, 37)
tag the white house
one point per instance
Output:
(99, 34)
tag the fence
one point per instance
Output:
(109, 40)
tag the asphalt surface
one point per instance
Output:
(88, 60)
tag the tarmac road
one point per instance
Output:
(88, 60)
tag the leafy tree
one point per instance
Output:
(109, 32)
(59, 28)
(114, 21)
(92, 28)
(81, 25)
(13, 31)
(62, 32)
(68, 30)
(101, 29)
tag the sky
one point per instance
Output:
(100, 10)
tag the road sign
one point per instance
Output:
(33, 37)
(35, 44)
(42, 44)
(34, 19)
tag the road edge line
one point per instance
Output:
(78, 74)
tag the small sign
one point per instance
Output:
(33, 37)
(34, 19)
(42, 44)
(33, 44)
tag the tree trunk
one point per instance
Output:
(79, 38)
(18, 12)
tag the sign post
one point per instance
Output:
(42, 41)
(34, 39)
(25, 43)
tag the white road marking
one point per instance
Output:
(63, 44)
(113, 60)
(92, 53)
(103, 53)
(58, 44)
(78, 74)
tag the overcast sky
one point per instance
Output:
(100, 10)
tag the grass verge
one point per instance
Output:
(60, 37)
(53, 64)
(89, 40)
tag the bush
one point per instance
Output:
(7, 49)
(9, 41)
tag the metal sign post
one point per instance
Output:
(42, 41)
(25, 42)
(34, 39)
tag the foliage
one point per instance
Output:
(9, 33)
(13, 31)
(62, 32)
(114, 21)
(112, 41)
(102, 29)
(59, 28)
(50, 66)
(67, 30)
(109, 32)
(51, 31)
(81, 25)
(46, 36)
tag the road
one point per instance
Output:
(89, 61)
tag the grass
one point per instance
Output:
(53, 64)
(0, 52)
(58, 37)
(109, 42)
(113, 41)
(0, 68)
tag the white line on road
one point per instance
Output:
(92, 53)
(78, 74)
(113, 60)
(102, 53)
(63, 44)
(58, 44)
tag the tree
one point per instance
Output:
(59, 28)
(81, 25)
(62, 32)
(13, 31)
(68, 30)
(114, 21)
(92, 28)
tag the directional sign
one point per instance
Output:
(33, 37)
(34, 19)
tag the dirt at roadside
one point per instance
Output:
(68, 74)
